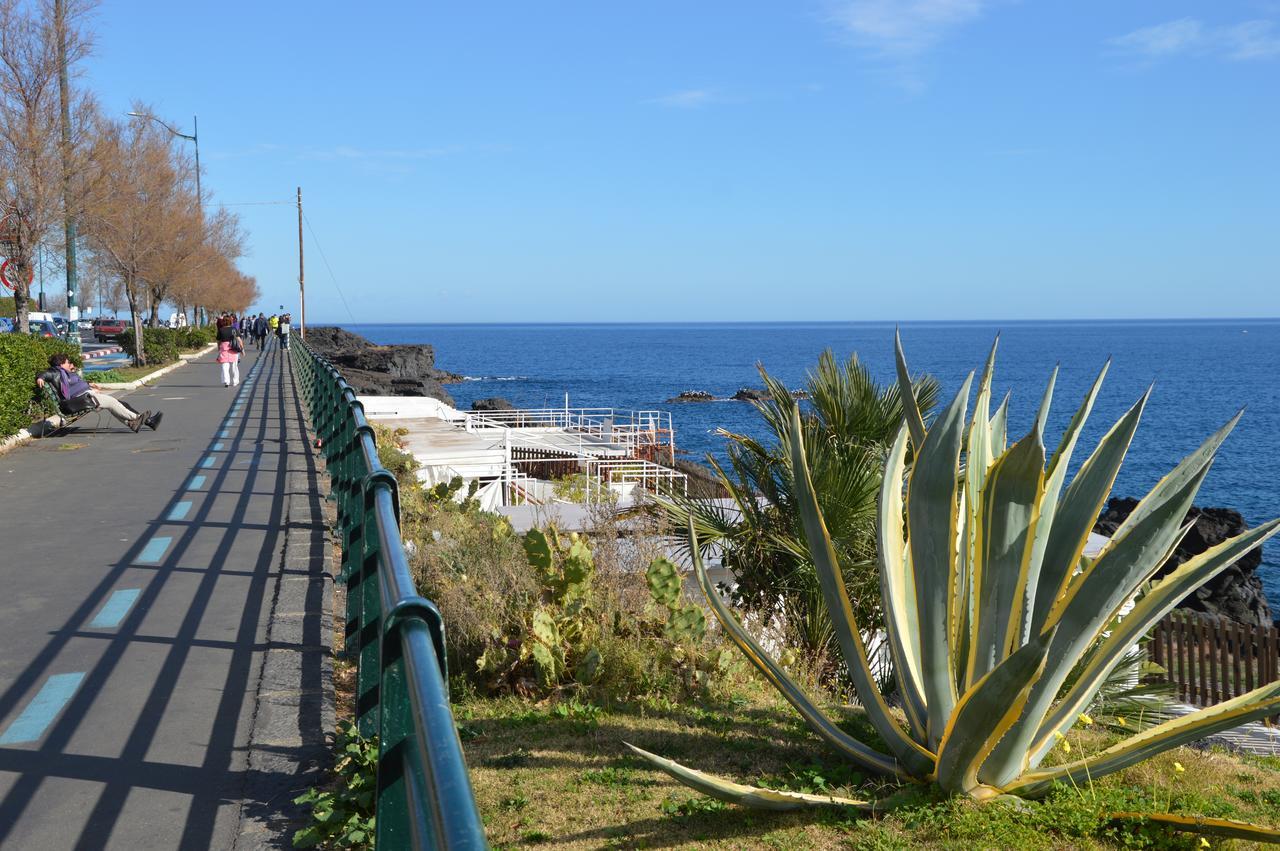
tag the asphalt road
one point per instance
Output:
(140, 574)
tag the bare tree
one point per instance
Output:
(125, 217)
(34, 161)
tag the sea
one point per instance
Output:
(1203, 372)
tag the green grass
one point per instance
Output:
(120, 375)
(543, 774)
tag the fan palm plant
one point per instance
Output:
(1001, 629)
(847, 425)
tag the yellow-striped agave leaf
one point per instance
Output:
(999, 427)
(1097, 596)
(1256, 704)
(898, 587)
(1226, 828)
(985, 713)
(933, 505)
(910, 408)
(1010, 503)
(1055, 477)
(1046, 402)
(1162, 597)
(747, 796)
(914, 757)
(978, 457)
(855, 751)
(1078, 510)
(1186, 469)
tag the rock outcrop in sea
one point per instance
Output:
(1236, 593)
(399, 370)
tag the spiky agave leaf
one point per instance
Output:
(748, 796)
(1226, 828)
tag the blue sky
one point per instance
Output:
(810, 159)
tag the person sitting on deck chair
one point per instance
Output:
(76, 395)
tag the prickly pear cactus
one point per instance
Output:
(663, 579)
(686, 624)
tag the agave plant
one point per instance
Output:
(1001, 629)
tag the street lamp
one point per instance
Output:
(194, 137)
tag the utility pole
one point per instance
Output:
(302, 289)
(64, 92)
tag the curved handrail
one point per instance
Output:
(425, 798)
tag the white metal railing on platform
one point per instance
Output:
(634, 432)
(645, 474)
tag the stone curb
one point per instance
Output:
(299, 650)
(182, 361)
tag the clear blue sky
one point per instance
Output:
(798, 159)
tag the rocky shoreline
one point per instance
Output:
(743, 394)
(373, 370)
(1236, 593)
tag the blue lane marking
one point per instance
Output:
(207, 462)
(196, 482)
(179, 511)
(154, 550)
(43, 708)
(226, 432)
(217, 447)
(118, 605)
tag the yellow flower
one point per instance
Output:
(1177, 766)
(1204, 843)
(1085, 719)
(1120, 720)
(1066, 746)
(1057, 735)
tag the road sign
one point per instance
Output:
(11, 274)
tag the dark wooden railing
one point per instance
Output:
(1209, 661)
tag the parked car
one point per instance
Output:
(43, 328)
(84, 324)
(105, 330)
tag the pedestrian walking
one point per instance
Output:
(282, 331)
(230, 347)
(260, 331)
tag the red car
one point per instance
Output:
(105, 330)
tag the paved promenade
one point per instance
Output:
(163, 671)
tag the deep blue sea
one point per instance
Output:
(1204, 371)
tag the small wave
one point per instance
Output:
(495, 378)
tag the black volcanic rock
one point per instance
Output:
(1236, 593)
(692, 396)
(399, 370)
(751, 394)
(493, 403)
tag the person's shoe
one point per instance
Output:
(153, 421)
(136, 423)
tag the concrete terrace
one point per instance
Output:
(164, 680)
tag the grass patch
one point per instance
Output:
(542, 776)
(120, 375)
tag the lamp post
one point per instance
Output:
(194, 137)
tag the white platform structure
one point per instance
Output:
(610, 455)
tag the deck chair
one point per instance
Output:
(45, 398)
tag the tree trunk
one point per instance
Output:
(22, 309)
(139, 353)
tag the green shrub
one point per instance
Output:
(22, 358)
(195, 337)
(160, 345)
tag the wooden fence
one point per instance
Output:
(1210, 661)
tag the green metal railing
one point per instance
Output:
(395, 635)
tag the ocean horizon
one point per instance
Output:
(1202, 375)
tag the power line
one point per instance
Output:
(332, 276)
(255, 203)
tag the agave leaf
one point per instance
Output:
(1006, 524)
(1163, 596)
(1078, 511)
(999, 427)
(933, 505)
(985, 713)
(910, 409)
(913, 757)
(1185, 470)
(978, 458)
(1099, 593)
(849, 747)
(747, 796)
(1054, 479)
(1256, 704)
(897, 585)
(1042, 415)
(1226, 828)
